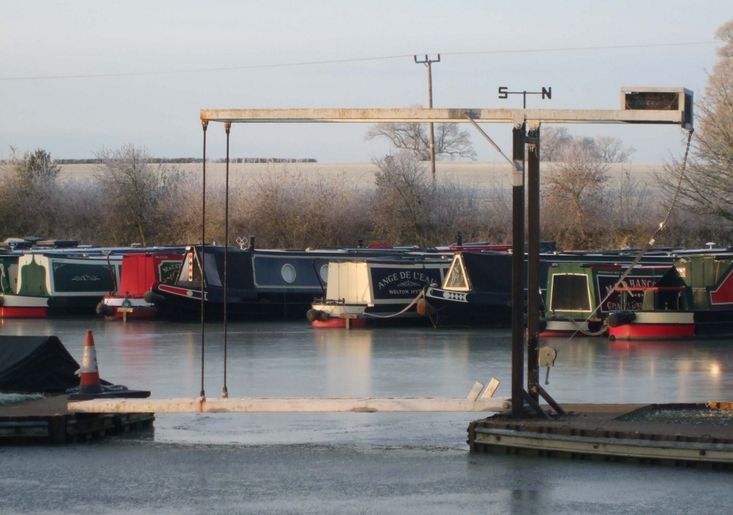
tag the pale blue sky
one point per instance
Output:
(80, 76)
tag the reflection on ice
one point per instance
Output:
(292, 359)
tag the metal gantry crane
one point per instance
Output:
(639, 105)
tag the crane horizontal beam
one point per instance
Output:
(441, 115)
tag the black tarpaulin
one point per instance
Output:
(36, 364)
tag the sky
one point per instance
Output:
(82, 76)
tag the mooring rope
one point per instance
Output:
(579, 328)
(402, 311)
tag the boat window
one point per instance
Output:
(212, 267)
(570, 293)
(456, 278)
(288, 273)
(324, 273)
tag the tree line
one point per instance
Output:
(136, 200)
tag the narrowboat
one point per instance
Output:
(580, 295)
(696, 301)
(477, 290)
(47, 284)
(261, 283)
(12, 304)
(140, 272)
(376, 289)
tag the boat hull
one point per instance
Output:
(563, 328)
(23, 311)
(664, 325)
(339, 323)
(184, 304)
(125, 307)
(447, 307)
(20, 306)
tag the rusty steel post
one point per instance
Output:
(204, 126)
(225, 307)
(533, 259)
(518, 270)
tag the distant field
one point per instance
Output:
(478, 174)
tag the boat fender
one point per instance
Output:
(104, 310)
(618, 318)
(421, 307)
(152, 297)
(316, 314)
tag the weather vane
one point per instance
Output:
(504, 93)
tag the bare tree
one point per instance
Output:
(30, 196)
(605, 149)
(80, 213)
(553, 140)
(37, 170)
(285, 209)
(402, 206)
(631, 213)
(478, 215)
(612, 150)
(707, 184)
(575, 200)
(136, 193)
(450, 142)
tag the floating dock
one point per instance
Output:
(48, 421)
(676, 434)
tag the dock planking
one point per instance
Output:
(48, 421)
(616, 432)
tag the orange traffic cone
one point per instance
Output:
(89, 373)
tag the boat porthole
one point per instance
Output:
(288, 273)
(324, 272)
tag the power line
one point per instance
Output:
(346, 60)
(583, 48)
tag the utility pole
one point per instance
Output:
(428, 62)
